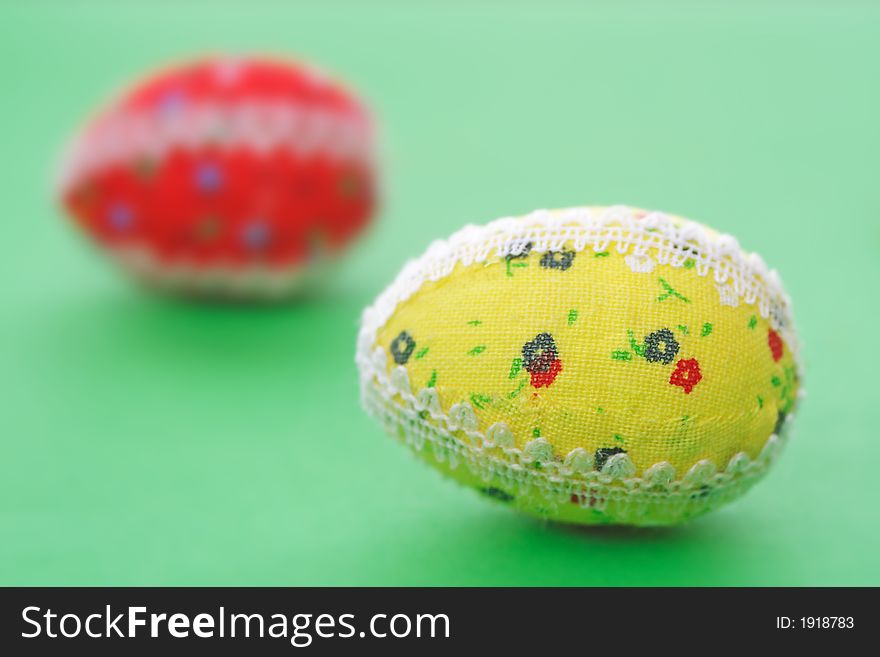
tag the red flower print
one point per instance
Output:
(775, 343)
(686, 375)
(581, 499)
(541, 360)
(541, 379)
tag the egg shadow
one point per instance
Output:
(625, 533)
(133, 325)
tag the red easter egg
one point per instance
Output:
(225, 177)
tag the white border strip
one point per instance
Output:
(263, 126)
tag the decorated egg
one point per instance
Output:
(589, 365)
(224, 177)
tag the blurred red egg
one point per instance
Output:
(225, 177)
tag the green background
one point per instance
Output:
(148, 441)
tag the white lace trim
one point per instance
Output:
(260, 126)
(219, 280)
(456, 432)
(654, 238)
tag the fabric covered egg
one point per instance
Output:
(224, 177)
(589, 365)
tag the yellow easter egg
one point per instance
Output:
(588, 365)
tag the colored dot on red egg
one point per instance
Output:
(256, 235)
(208, 228)
(145, 167)
(349, 185)
(171, 102)
(120, 216)
(209, 177)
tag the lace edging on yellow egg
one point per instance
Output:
(601, 425)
